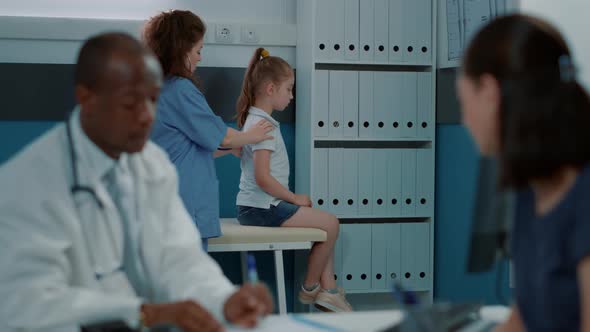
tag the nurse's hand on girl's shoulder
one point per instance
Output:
(237, 152)
(260, 130)
(189, 316)
(302, 200)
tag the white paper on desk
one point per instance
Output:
(494, 313)
(358, 321)
(283, 323)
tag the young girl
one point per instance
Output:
(522, 103)
(264, 198)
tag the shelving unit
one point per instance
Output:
(365, 135)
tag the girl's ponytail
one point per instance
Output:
(246, 99)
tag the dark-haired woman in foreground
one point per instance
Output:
(522, 104)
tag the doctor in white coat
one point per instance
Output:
(92, 228)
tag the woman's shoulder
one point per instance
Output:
(585, 172)
(182, 87)
(580, 195)
(583, 182)
(180, 82)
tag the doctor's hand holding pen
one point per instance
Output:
(243, 308)
(189, 316)
(246, 306)
(251, 302)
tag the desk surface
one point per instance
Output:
(355, 321)
(366, 321)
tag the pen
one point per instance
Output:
(416, 318)
(404, 298)
(252, 273)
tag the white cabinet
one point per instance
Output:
(365, 134)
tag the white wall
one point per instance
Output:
(252, 11)
(52, 31)
(571, 18)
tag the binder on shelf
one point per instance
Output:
(415, 261)
(408, 245)
(383, 87)
(397, 30)
(425, 121)
(409, 104)
(365, 182)
(408, 208)
(379, 239)
(424, 31)
(380, 206)
(335, 24)
(394, 182)
(424, 182)
(381, 31)
(335, 184)
(351, 30)
(321, 106)
(367, 31)
(422, 274)
(336, 30)
(395, 82)
(394, 253)
(338, 262)
(410, 27)
(336, 103)
(350, 87)
(322, 25)
(366, 123)
(356, 256)
(350, 182)
(320, 179)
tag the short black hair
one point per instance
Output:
(96, 53)
(544, 118)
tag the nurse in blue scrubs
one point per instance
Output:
(186, 127)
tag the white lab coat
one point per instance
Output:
(51, 248)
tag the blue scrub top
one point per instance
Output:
(188, 130)
(546, 251)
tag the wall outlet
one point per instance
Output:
(249, 34)
(224, 33)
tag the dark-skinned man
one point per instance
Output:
(92, 226)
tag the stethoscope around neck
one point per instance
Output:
(76, 187)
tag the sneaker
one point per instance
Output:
(333, 302)
(308, 297)
(341, 292)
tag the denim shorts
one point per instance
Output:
(274, 216)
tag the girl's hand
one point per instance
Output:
(259, 131)
(302, 200)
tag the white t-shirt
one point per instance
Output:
(250, 193)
